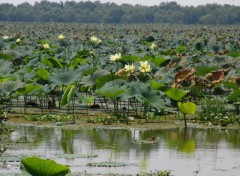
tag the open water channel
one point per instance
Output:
(195, 152)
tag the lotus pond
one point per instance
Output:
(134, 72)
(124, 152)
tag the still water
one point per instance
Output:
(195, 152)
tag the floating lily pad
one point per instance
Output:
(107, 164)
(77, 156)
(10, 159)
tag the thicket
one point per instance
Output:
(96, 12)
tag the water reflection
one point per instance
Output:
(206, 151)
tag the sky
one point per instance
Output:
(142, 2)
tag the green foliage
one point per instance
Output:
(42, 73)
(90, 80)
(28, 68)
(155, 173)
(43, 167)
(235, 95)
(107, 78)
(156, 85)
(86, 100)
(166, 12)
(52, 63)
(202, 71)
(107, 164)
(75, 155)
(10, 86)
(187, 108)
(158, 60)
(176, 94)
(68, 95)
(104, 120)
(50, 117)
(112, 91)
(64, 77)
(216, 111)
(235, 54)
(29, 89)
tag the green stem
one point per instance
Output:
(185, 121)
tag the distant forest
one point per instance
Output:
(96, 12)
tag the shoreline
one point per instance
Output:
(141, 124)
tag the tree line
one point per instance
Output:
(96, 12)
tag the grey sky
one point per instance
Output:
(142, 2)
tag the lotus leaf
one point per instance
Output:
(43, 167)
(5, 67)
(112, 91)
(64, 77)
(10, 86)
(107, 78)
(84, 100)
(107, 164)
(176, 94)
(68, 95)
(91, 79)
(52, 63)
(202, 71)
(75, 155)
(29, 89)
(42, 73)
(187, 108)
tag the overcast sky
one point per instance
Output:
(143, 2)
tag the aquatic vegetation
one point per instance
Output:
(107, 164)
(75, 155)
(50, 117)
(132, 71)
(187, 109)
(39, 167)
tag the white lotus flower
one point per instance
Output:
(95, 40)
(115, 57)
(129, 68)
(61, 37)
(145, 67)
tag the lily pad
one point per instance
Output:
(39, 167)
(10, 159)
(107, 164)
(76, 156)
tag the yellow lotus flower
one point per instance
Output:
(18, 40)
(61, 37)
(145, 67)
(129, 68)
(153, 46)
(5, 37)
(115, 57)
(95, 40)
(46, 46)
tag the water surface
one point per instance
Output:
(198, 152)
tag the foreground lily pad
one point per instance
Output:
(40, 167)
(107, 164)
(77, 156)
